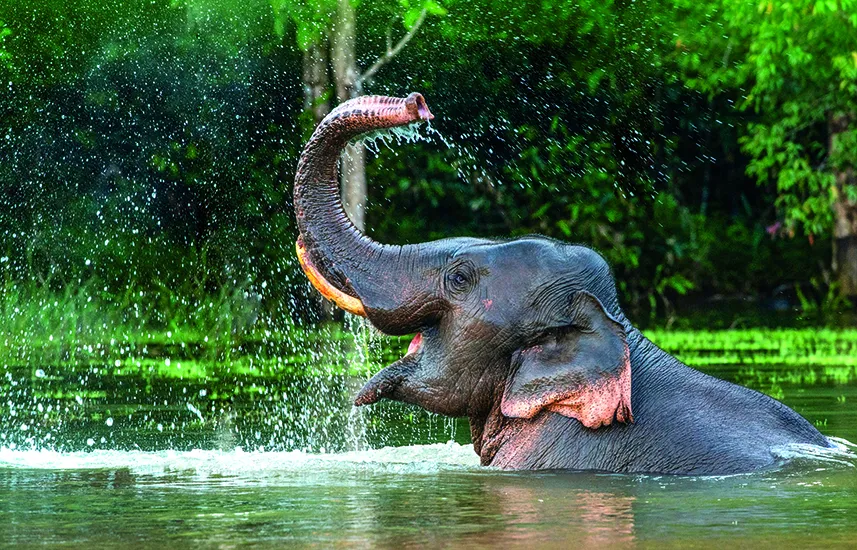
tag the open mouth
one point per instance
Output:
(385, 382)
(415, 344)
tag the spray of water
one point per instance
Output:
(842, 453)
(401, 134)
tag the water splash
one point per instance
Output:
(356, 438)
(842, 443)
(203, 464)
(434, 132)
(464, 158)
(843, 453)
(408, 134)
(421, 459)
(195, 411)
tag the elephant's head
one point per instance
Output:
(524, 325)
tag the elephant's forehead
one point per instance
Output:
(533, 254)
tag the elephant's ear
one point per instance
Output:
(582, 371)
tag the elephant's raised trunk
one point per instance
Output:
(357, 273)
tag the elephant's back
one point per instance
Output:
(738, 435)
(709, 425)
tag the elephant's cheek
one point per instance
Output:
(516, 443)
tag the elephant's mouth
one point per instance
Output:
(387, 383)
(415, 344)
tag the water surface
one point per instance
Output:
(415, 496)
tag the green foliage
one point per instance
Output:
(4, 55)
(824, 304)
(311, 19)
(795, 64)
(414, 10)
(149, 147)
(573, 196)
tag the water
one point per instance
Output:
(415, 496)
(222, 456)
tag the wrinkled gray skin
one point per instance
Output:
(488, 310)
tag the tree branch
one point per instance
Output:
(392, 52)
(390, 34)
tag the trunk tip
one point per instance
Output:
(418, 107)
(368, 395)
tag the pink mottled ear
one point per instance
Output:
(582, 371)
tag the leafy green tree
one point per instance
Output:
(563, 132)
(4, 55)
(157, 140)
(794, 65)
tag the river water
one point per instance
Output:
(415, 496)
(223, 460)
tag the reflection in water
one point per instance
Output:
(609, 518)
(597, 518)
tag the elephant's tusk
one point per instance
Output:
(342, 300)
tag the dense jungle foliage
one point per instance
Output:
(147, 149)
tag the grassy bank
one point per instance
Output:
(161, 332)
(834, 347)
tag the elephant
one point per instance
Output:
(525, 337)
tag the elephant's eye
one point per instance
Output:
(460, 279)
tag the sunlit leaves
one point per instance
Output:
(4, 32)
(797, 64)
(413, 10)
(311, 19)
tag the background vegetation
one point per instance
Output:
(149, 294)
(147, 150)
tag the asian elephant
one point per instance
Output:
(525, 337)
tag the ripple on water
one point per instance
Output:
(801, 455)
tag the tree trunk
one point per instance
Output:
(316, 81)
(346, 78)
(844, 211)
